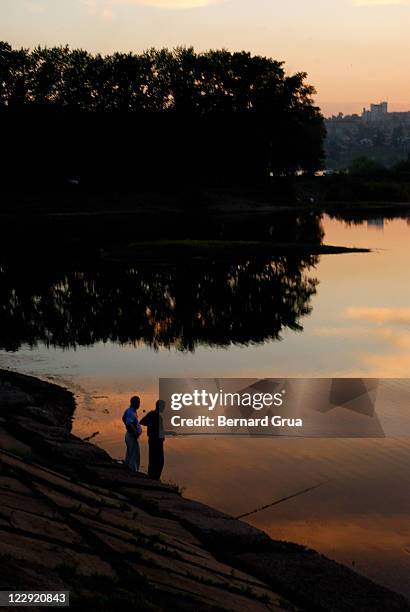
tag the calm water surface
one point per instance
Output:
(352, 319)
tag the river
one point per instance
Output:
(334, 315)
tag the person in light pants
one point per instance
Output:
(134, 430)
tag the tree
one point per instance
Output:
(364, 166)
(224, 114)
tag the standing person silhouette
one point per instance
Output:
(134, 430)
(155, 430)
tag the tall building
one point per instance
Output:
(377, 112)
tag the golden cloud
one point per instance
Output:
(399, 316)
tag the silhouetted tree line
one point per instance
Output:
(178, 115)
(366, 180)
(366, 167)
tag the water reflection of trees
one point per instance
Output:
(221, 304)
(368, 215)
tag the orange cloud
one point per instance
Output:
(399, 316)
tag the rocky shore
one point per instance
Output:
(73, 519)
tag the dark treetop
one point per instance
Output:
(212, 116)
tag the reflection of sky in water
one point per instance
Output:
(360, 326)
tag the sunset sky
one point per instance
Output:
(355, 51)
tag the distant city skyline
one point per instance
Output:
(372, 107)
(352, 108)
(355, 51)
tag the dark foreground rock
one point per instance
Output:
(71, 518)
